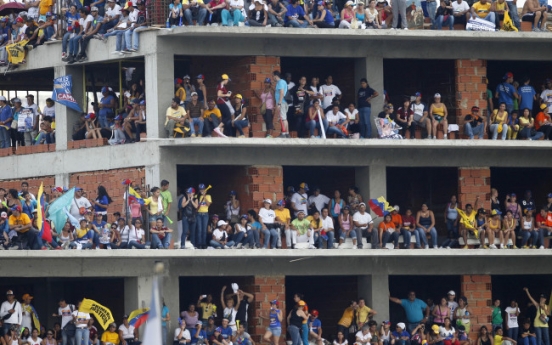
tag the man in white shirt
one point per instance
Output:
(128, 334)
(13, 307)
(421, 114)
(181, 334)
(318, 200)
(82, 333)
(79, 202)
(460, 11)
(363, 336)
(328, 229)
(270, 228)
(299, 199)
(112, 15)
(335, 117)
(65, 311)
(220, 237)
(364, 224)
(329, 91)
(50, 108)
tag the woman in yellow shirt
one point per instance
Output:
(493, 224)
(155, 206)
(527, 127)
(508, 229)
(347, 319)
(541, 319)
(498, 121)
(205, 201)
(438, 113)
(111, 335)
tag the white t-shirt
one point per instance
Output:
(319, 201)
(334, 118)
(329, 92)
(113, 12)
(267, 216)
(124, 233)
(185, 334)
(133, 16)
(128, 333)
(66, 314)
(78, 203)
(512, 317)
(30, 341)
(418, 109)
(351, 116)
(49, 111)
(84, 21)
(300, 201)
(218, 234)
(32, 12)
(315, 90)
(460, 7)
(365, 338)
(546, 96)
(365, 218)
(452, 306)
(446, 333)
(136, 235)
(81, 317)
(236, 3)
(327, 223)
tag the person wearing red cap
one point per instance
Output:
(180, 91)
(315, 327)
(92, 132)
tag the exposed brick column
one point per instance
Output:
(471, 88)
(474, 182)
(262, 182)
(477, 289)
(266, 289)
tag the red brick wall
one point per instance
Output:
(473, 182)
(266, 289)
(263, 182)
(111, 180)
(471, 88)
(247, 73)
(477, 289)
(34, 184)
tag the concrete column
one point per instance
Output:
(371, 68)
(66, 117)
(62, 180)
(375, 290)
(159, 90)
(372, 181)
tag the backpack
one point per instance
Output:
(70, 328)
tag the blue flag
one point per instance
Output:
(58, 207)
(63, 87)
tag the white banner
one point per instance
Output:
(479, 24)
(25, 120)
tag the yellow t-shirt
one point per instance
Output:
(207, 309)
(283, 215)
(186, 2)
(362, 314)
(180, 93)
(497, 339)
(500, 6)
(23, 219)
(82, 232)
(208, 112)
(44, 6)
(178, 113)
(154, 205)
(203, 208)
(482, 10)
(347, 317)
(110, 337)
(538, 322)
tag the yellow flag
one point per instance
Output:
(507, 23)
(16, 52)
(550, 302)
(468, 221)
(102, 314)
(39, 206)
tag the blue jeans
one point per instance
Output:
(431, 9)
(494, 129)
(187, 228)
(239, 237)
(515, 18)
(131, 37)
(305, 333)
(119, 42)
(136, 245)
(528, 341)
(365, 122)
(526, 133)
(525, 236)
(296, 24)
(49, 32)
(48, 137)
(86, 245)
(542, 234)
(319, 241)
(64, 338)
(373, 236)
(407, 235)
(236, 17)
(388, 237)
(215, 244)
(202, 220)
(477, 130)
(156, 242)
(64, 42)
(250, 239)
(74, 45)
(440, 20)
(295, 335)
(512, 333)
(240, 125)
(103, 121)
(268, 234)
(5, 139)
(199, 122)
(82, 334)
(200, 18)
(423, 238)
(312, 124)
(335, 130)
(543, 337)
(164, 332)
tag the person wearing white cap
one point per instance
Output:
(220, 237)
(347, 15)
(365, 225)
(11, 307)
(438, 114)
(270, 228)
(451, 301)
(194, 112)
(258, 14)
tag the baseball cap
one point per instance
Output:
(142, 102)
(190, 190)
(194, 93)
(221, 222)
(549, 195)
(90, 116)
(267, 80)
(267, 201)
(508, 75)
(9, 292)
(513, 195)
(232, 192)
(16, 208)
(244, 216)
(94, 9)
(2, 98)
(218, 329)
(349, 3)
(25, 296)
(396, 208)
(201, 186)
(16, 100)
(281, 202)
(215, 216)
(129, 4)
(320, 3)
(125, 316)
(304, 186)
(136, 101)
(200, 76)
(452, 293)
(362, 204)
(543, 106)
(314, 312)
(186, 77)
(118, 118)
(437, 95)
(105, 89)
(435, 328)
(481, 210)
(19, 20)
(495, 213)
(178, 81)
(386, 322)
(4, 215)
(78, 188)
(401, 325)
(301, 211)
(302, 303)
(238, 96)
(275, 302)
(418, 94)
(42, 19)
(474, 108)
(225, 77)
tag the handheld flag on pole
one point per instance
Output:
(380, 206)
(152, 333)
(138, 317)
(102, 314)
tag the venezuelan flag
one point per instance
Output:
(380, 206)
(44, 226)
(138, 317)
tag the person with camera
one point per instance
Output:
(198, 335)
(181, 334)
(541, 319)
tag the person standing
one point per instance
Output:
(13, 307)
(416, 310)
(281, 104)
(399, 8)
(202, 218)
(506, 92)
(82, 333)
(167, 200)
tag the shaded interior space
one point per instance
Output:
(425, 287)
(404, 77)
(538, 71)
(342, 71)
(191, 288)
(509, 287)
(410, 187)
(330, 295)
(518, 180)
(48, 291)
(18, 85)
(328, 179)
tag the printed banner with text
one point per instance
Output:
(102, 314)
(63, 87)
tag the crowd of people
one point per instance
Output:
(315, 221)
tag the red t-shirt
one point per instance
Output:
(540, 118)
(408, 222)
(404, 114)
(221, 100)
